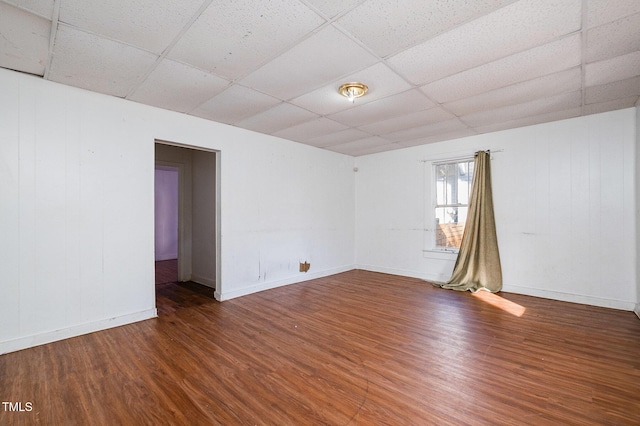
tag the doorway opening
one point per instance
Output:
(166, 223)
(187, 225)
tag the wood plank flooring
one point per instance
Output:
(357, 348)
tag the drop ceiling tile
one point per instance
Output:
(445, 136)
(366, 151)
(525, 24)
(331, 8)
(233, 37)
(381, 81)
(613, 105)
(407, 121)
(403, 103)
(311, 129)
(141, 23)
(546, 86)
(359, 145)
(93, 63)
(614, 69)
(537, 107)
(601, 12)
(530, 121)
(612, 91)
(389, 26)
(447, 126)
(318, 60)
(546, 59)
(177, 87)
(235, 104)
(24, 40)
(43, 8)
(613, 39)
(280, 117)
(338, 138)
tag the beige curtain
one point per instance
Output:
(478, 264)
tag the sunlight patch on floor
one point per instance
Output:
(500, 302)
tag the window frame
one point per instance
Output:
(430, 247)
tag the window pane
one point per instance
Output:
(464, 185)
(450, 226)
(453, 183)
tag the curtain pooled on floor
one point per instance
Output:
(478, 264)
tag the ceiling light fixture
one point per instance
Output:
(352, 91)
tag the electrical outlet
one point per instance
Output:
(304, 267)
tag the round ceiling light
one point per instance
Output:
(352, 91)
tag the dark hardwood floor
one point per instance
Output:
(166, 271)
(358, 348)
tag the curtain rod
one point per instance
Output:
(458, 158)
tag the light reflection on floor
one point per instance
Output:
(500, 302)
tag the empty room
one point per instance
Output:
(305, 212)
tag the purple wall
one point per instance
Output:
(166, 213)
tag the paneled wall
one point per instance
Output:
(76, 219)
(564, 195)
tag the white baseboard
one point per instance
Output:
(73, 331)
(568, 297)
(274, 284)
(204, 281)
(546, 294)
(405, 273)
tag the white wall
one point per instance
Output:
(77, 247)
(203, 214)
(564, 195)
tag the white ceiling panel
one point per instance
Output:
(280, 117)
(141, 23)
(24, 40)
(537, 107)
(381, 81)
(614, 39)
(547, 59)
(403, 103)
(233, 37)
(275, 66)
(359, 145)
(311, 129)
(530, 121)
(320, 59)
(611, 91)
(524, 24)
(604, 11)
(43, 8)
(365, 151)
(455, 134)
(613, 105)
(178, 87)
(415, 119)
(331, 8)
(338, 138)
(94, 63)
(389, 26)
(439, 127)
(610, 70)
(235, 104)
(549, 85)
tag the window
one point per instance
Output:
(453, 181)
